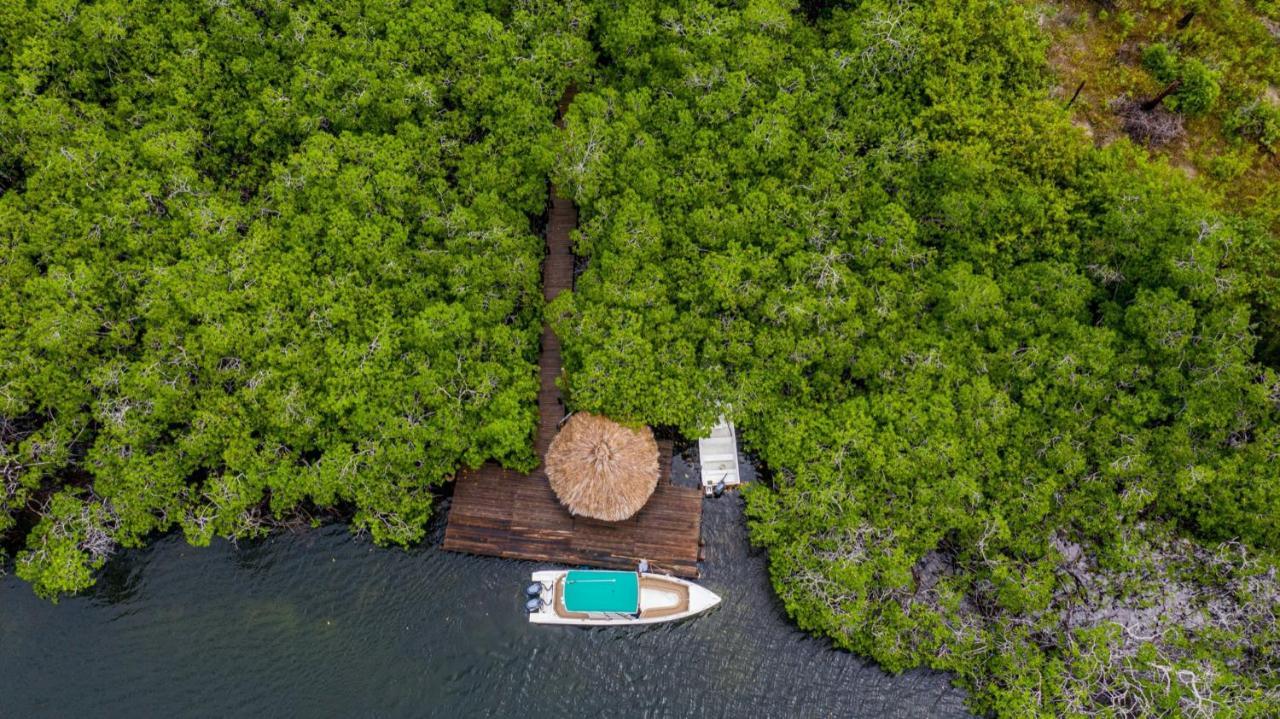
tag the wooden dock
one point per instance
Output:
(501, 513)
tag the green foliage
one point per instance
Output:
(1233, 70)
(1160, 61)
(69, 543)
(964, 339)
(1259, 121)
(263, 259)
(1199, 89)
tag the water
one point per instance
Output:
(322, 624)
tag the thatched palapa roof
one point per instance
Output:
(601, 469)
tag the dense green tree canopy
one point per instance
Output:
(263, 259)
(975, 350)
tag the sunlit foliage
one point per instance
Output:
(261, 260)
(995, 370)
(264, 258)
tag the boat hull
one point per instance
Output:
(662, 599)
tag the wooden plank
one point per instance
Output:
(498, 512)
(501, 513)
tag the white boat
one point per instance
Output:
(596, 598)
(718, 456)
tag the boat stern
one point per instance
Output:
(545, 611)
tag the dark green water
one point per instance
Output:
(321, 624)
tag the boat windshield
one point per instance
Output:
(594, 591)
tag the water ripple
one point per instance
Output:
(323, 624)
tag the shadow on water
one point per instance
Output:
(253, 555)
(319, 623)
(120, 580)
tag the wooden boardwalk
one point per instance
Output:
(502, 513)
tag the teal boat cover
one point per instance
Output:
(596, 591)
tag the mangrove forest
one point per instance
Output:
(991, 288)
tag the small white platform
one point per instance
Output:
(718, 455)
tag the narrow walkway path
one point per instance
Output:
(502, 513)
(557, 276)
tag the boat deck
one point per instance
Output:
(718, 457)
(501, 513)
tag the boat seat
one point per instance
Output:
(681, 591)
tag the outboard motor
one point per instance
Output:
(534, 604)
(533, 590)
(718, 489)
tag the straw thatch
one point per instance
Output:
(602, 470)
